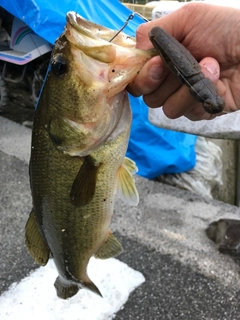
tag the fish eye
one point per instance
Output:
(59, 65)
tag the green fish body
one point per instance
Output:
(79, 140)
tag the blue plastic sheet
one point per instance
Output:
(48, 18)
(156, 151)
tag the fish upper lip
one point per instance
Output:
(71, 18)
(80, 25)
(97, 32)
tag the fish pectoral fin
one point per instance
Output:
(35, 243)
(111, 247)
(83, 187)
(126, 188)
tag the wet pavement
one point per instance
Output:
(164, 238)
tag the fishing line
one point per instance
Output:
(130, 17)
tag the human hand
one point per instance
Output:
(211, 34)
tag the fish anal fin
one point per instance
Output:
(35, 242)
(111, 247)
(83, 187)
(126, 188)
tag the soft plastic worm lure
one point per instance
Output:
(180, 61)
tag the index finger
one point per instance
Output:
(149, 78)
(166, 22)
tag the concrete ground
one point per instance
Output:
(164, 238)
(229, 190)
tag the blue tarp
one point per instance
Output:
(156, 151)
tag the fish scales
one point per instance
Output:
(84, 219)
(79, 140)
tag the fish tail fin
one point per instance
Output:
(65, 291)
(91, 286)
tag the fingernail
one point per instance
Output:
(212, 68)
(155, 72)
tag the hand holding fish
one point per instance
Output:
(210, 33)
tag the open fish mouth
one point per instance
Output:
(104, 69)
(95, 31)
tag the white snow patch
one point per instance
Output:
(35, 296)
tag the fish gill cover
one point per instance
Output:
(156, 151)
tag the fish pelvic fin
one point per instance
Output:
(111, 247)
(35, 242)
(65, 291)
(83, 187)
(130, 165)
(126, 188)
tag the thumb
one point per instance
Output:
(210, 68)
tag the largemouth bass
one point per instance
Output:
(79, 140)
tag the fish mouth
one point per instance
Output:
(95, 31)
(102, 69)
(87, 28)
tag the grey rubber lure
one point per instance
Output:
(180, 61)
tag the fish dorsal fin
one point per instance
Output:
(35, 243)
(111, 247)
(126, 188)
(83, 187)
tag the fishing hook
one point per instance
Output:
(130, 17)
